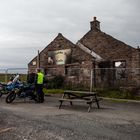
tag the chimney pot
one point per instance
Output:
(94, 18)
(60, 34)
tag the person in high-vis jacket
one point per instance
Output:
(39, 86)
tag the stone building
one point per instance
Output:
(110, 61)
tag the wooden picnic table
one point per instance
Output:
(80, 96)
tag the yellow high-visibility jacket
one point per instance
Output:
(40, 78)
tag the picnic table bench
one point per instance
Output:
(80, 96)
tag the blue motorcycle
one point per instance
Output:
(6, 88)
(21, 90)
(3, 89)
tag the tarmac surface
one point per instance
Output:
(26, 120)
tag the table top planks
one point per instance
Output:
(81, 92)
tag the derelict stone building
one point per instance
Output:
(109, 61)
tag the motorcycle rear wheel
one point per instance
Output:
(11, 97)
(1, 93)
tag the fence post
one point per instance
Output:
(94, 72)
(6, 75)
(91, 80)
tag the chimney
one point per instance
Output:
(95, 24)
(59, 34)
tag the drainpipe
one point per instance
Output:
(38, 60)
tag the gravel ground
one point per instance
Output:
(30, 121)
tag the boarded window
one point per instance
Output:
(120, 69)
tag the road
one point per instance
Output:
(31, 121)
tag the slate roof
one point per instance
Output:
(106, 46)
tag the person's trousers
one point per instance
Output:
(40, 94)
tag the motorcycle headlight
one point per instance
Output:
(16, 90)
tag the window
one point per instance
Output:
(120, 69)
(34, 63)
(120, 64)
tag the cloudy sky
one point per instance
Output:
(29, 25)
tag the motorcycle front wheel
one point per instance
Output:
(11, 97)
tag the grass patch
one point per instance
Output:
(53, 91)
(3, 77)
(118, 94)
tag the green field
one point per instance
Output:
(6, 77)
